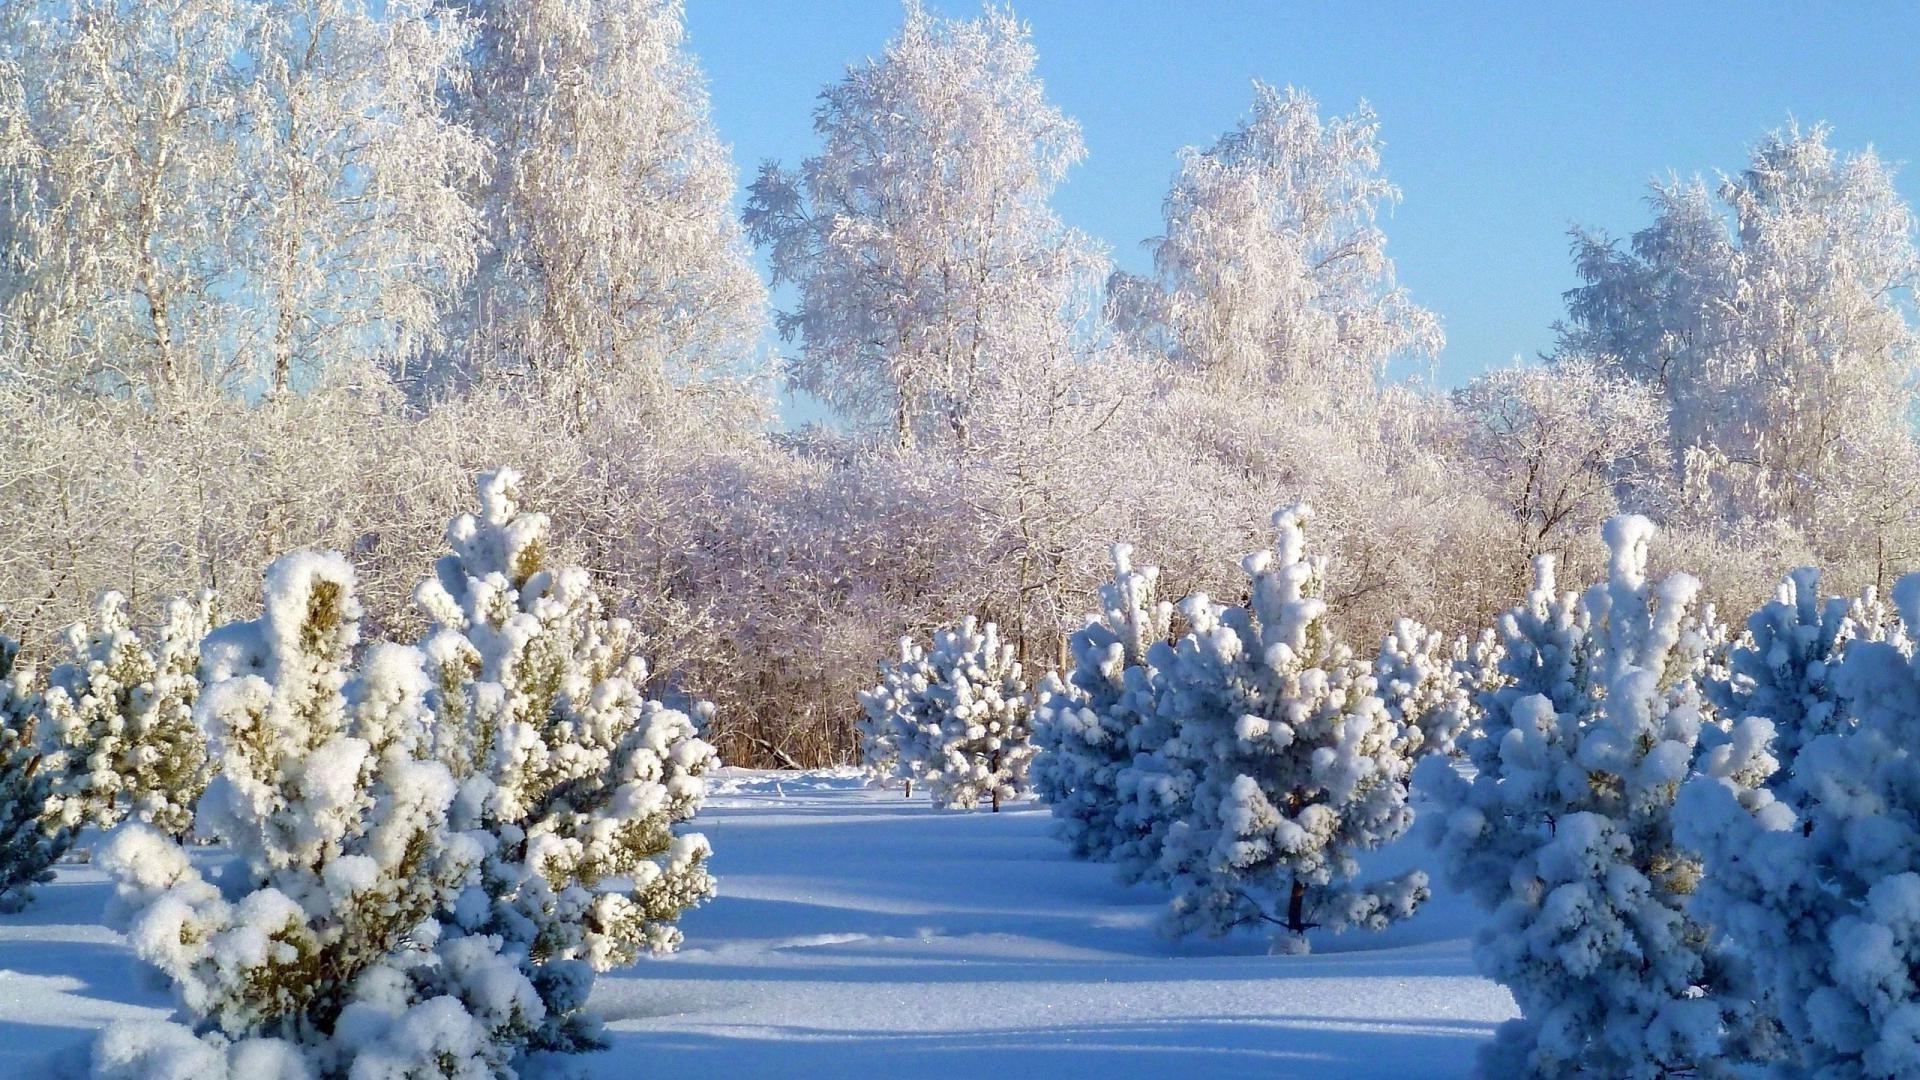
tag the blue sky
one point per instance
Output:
(1505, 124)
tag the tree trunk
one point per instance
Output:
(1297, 908)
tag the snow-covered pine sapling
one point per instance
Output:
(577, 778)
(317, 948)
(984, 718)
(962, 717)
(1087, 726)
(886, 718)
(1785, 666)
(1819, 882)
(1420, 677)
(1479, 662)
(120, 719)
(28, 849)
(1564, 828)
(1294, 763)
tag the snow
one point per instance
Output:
(858, 932)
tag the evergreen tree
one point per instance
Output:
(1785, 668)
(28, 850)
(887, 716)
(432, 849)
(1564, 827)
(1422, 680)
(960, 715)
(1294, 763)
(1818, 882)
(317, 943)
(1087, 728)
(577, 777)
(120, 716)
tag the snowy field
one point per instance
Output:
(860, 934)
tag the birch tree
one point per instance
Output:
(927, 263)
(120, 174)
(1273, 268)
(354, 228)
(612, 245)
(1774, 315)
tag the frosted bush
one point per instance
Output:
(1563, 828)
(120, 719)
(1294, 764)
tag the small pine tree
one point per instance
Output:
(1564, 827)
(432, 849)
(1784, 668)
(1818, 883)
(576, 776)
(980, 719)
(317, 943)
(120, 717)
(1423, 682)
(28, 849)
(1293, 762)
(1087, 729)
(1479, 662)
(887, 717)
(959, 715)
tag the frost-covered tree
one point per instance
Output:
(1824, 899)
(1088, 727)
(1564, 447)
(927, 264)
(120, 720)
(577, 775)
(122, 187)
(1423, 680)
(233, 192)
(28, 849)
(356, 229)
(960, 716)
(608, 199)
(206, 199)
(317, 945)
(1294, 763)
(1273, 269)
(1778, 338)
(1564, 828)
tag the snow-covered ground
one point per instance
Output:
(861, 934)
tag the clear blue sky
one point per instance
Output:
(1504, 123)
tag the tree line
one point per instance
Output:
(277, 274)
